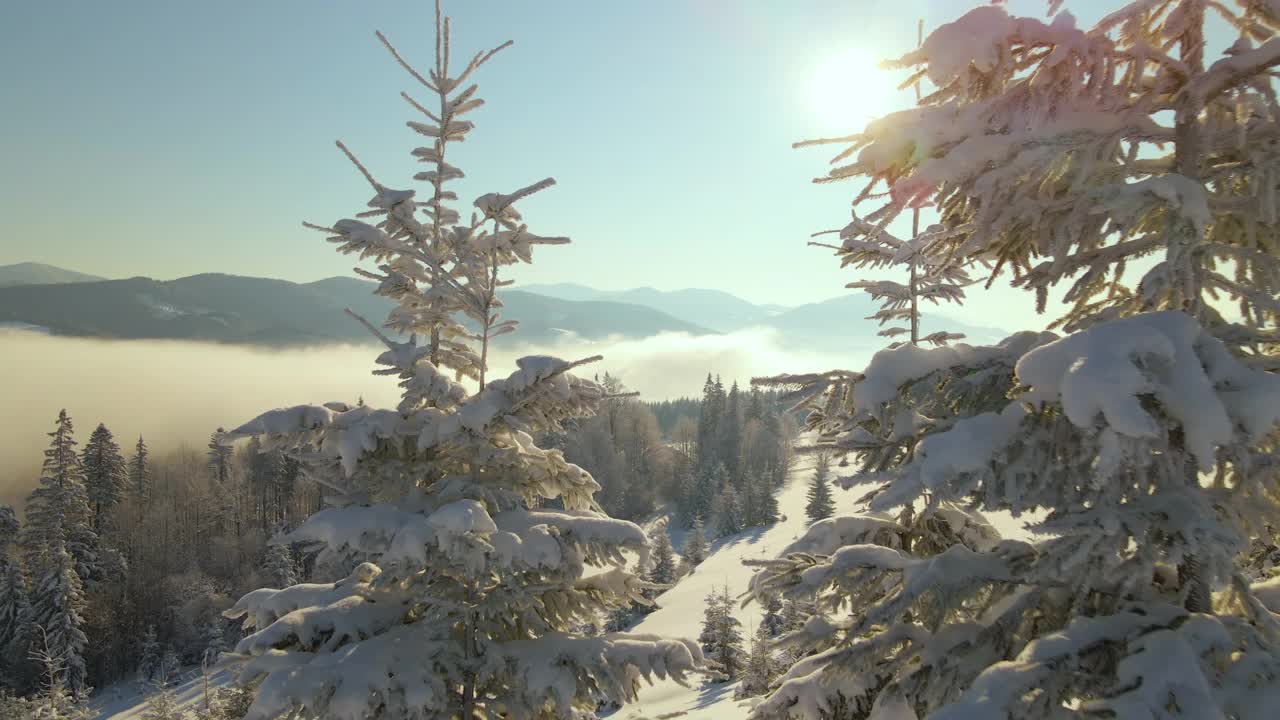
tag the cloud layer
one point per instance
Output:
(175, 392)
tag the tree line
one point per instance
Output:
(123, 560)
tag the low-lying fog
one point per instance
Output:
(176, 392)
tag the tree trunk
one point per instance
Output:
(469, 682)
(1182, 254)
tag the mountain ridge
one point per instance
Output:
(35, 273)
(268, 311)
(271, 311)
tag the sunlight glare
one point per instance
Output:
(847, 88)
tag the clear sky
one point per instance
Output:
(162, 138)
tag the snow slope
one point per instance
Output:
(128, 700)
(681, 608)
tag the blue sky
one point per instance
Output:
(168, 138)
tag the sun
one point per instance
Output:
(846, 88)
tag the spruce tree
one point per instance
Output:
(58, 513)
(695, 544)
(755, 406)
(708, 425)
(730, 435)
(761, 667)
(930, 275)
(686, 509)
(219, 459)
(214, 642)
(712, 611)
(15, 606)
(170, 666)
(750, 499)
(57, 609)
(278, 566)
(56, 700)
(1063, 155)
(663, 571)
(162, 704)
(721, 637)
(775, 468)
(475, 541)
(729, 512)
(773, 621)
(105, 477)
(707, 488)
(140, 474)
(149, 656)
(820, 504)
(767, 502)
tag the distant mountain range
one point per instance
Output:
(713, 309)
(263, 311)
(832, 324)
(30, 273)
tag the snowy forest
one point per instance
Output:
(1078, 521)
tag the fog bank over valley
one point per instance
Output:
(175, 392)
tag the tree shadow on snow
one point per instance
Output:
(715, 693)
(749, 536)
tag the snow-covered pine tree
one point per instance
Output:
(1144, 438)
(1095, 148)
(663, 571)
(685, 511)
(729, 434)
(56, 701)
(170, 667)
(772, 620)
(476, 580)
(766, 501)
(820, 505)
(59, 506)
(933, 275)
(761, 666)
(707, 484)
(748, 500)
(162, 704)
(140, 474)
(219, 457)
(278, 566)
(695, 547)
(215, 642)
(721, 638)
(709, 414)
(149, 656)
(729, 512)
(15, 606)
(105, 477)
(57, 608)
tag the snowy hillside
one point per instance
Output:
(681, 607)
(680, 615)
(128, 701)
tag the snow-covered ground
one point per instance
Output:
(681, 608)
(128, 700)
